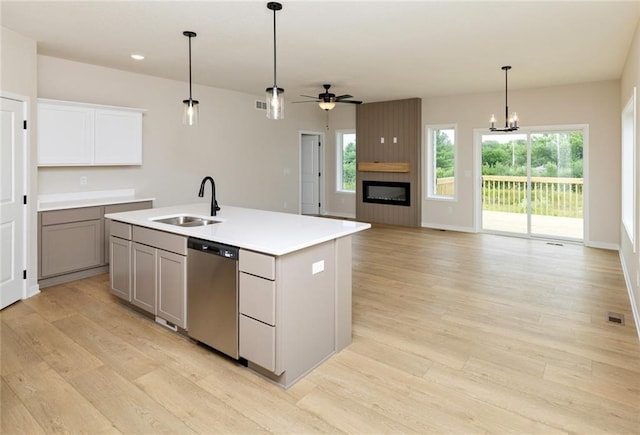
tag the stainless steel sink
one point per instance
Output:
(186, 221)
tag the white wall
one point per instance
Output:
(254, 161)
(630, 259)
(342, 117)
(596, 104)
(18, 68)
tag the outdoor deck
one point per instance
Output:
(548, 226)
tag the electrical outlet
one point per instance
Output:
(83, 181)
(285, 205)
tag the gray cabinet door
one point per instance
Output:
(172, 287)
(143, 269)
(120, 269)
(119, 208)
(71, 246)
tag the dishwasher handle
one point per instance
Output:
(213, 248)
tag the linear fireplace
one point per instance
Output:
(386, 192)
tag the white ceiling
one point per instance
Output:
(374, 50)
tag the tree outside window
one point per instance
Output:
(346, 161)
(443, 161)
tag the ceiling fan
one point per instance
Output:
(327, 101)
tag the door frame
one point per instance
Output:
(477, 179)
(25, 187)
(321, 160)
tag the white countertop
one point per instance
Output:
(63, 201)
(257, 230)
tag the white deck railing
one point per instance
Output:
(550, 196)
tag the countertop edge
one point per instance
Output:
(65, 205)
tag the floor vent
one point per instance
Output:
(554, 244)
(261, 105)
(615, 318)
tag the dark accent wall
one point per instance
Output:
(400, 119)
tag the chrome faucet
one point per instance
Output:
(214, 203)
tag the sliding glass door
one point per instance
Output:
(532, 184)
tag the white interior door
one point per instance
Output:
(12, 209)
(310, 173)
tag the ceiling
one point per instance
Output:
(374, 50)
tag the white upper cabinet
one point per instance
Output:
(65, 135)
(77, 134)
(118, 137)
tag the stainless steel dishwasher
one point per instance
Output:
(212, 295)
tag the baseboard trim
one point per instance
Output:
(632, 299)
(339, 215)
(61, 279)
(32, 291)
(447, 227)
(602, 245)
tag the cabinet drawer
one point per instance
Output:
(127, 206)
(257, 264)
(160, 239)
(258, 298)
(257, 342)
(71, 215)
(119, 229)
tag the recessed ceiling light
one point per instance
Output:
(137, 56)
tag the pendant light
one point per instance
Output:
(510, 123)
(190, 116)
(275, 95)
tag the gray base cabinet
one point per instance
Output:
(120, 267)
(71, 241)
(257, 305)
(171, 287)
(143, 269)
(287, 305)
(75, 243)
(149, 269)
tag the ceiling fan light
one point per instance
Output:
(275, 103)
(327, 105)
(191, 113)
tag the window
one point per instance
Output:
(441, 161)
(346, 152)
(629, 169)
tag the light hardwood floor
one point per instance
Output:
(453, 333)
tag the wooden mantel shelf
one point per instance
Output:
(383, 167)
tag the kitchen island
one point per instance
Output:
(294, 291)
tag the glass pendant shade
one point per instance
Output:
(327, 105)
(275, 103)
(190, 115)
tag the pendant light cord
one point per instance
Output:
(506, 99)
(190, 94)
(275, 86)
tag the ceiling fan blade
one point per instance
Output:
(349, 101)
(309, 96)
(342, 97)
(309, 101)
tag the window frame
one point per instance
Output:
(430, 162)
(339, 159)
(628, 170)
